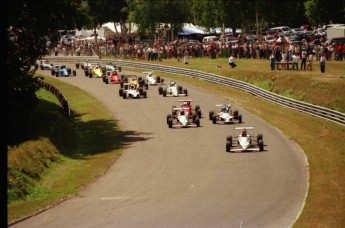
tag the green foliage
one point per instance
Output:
(18, 184)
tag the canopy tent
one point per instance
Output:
(92, 39)
(189, 29)
(111, 27)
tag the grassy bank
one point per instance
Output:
(325, 204)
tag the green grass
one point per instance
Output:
(322, 141)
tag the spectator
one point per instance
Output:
(310, 62)
(322, 63)
(232, 61)
(304, 59)
(273, 61)
(294, 61)
(185, 56)
(284, 60)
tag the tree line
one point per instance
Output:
(31, 23)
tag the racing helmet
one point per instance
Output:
(185, 103)
(133, 78)
(244, 132)
(172, 83)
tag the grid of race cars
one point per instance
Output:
(182, 115)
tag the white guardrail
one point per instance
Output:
(322, 112)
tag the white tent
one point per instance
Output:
(92, 39)
(111, 26)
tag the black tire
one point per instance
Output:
(106, 81)
(228, 146)
(214, 119)
(145, 94)
(210, 115)
(77, 65)
(52, 72)
(164, 93)
(259, 137)
(179, 89)
(86, 72)
(158, 79)
(146, 86)
(261, 145)
(197, 122)
(229, 138)
(121, 84)
(160, 90)
(185, 91)
(198, 113)
(57, 73)
(140, 79)
(125, 87)
(235, 113)
(240, 118)
(124, 95)
(170, 123)
(42, 67)
(120, 92)
(82, 66)
(168, 117)
(69, 71)
(74, 73)
(90, 74)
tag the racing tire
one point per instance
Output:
(52, 72)
(69, 71)
(74, 73)
(145, 94)
(239, 118)
(198, 112)
(170, 123)
(214, 119)
(164, 93)
(106, 81)
(179, 89)
(57, 73)
(259, 137)
(146, 86)
(120, 92)
(160, 90)
(229, 138)
(125, 87)
(90, 74)
(82, 66)
(197, 122)
(210, 115)
(228, 146)
(168, 117)
(140, 79)
(185, 91)
(124, 95)
(42, 67)
(141, 90)
(261, 145)
(158, 79)
(86, 73)
(162, 80)
(77, 65)
(121, 84)
(235, 113)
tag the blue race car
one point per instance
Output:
(62, 70)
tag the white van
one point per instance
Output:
(281, 30)
(207, 39)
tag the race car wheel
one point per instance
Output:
(121, 84)
(86, 73)
(179, 89)
(197, 122)
(160, 90)
(198, 112)
(158, 79)
(52, 72)
(240, 118)
(82, 66)
(170, 123)
(106, 81)
(168, 117)
(162, 80)
(235, 113)
(140, 79)
(146, 86)
(124, 95)
(214, 119)
(228, 146)
(42, 67)
(125, 87)
(120, 92)
(210, 115)
(185, 91)
(145, 94)
(259, 137)
(90, 74)
(77, 65)
(164, 93)
(261, 145)
(69, 71)
(57, 73)
(74, 73)
(229, 138)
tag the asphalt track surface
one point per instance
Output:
(184, 177)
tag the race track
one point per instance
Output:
(183, 177)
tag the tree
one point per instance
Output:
(31, 23)
(323, 11)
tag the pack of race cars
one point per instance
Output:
(185, 115)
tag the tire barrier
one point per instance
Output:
(62, 99)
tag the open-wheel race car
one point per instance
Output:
(62, 70)
(133, 79)
(244, 141)
(132, 89)
(184, 116)
(225, 115)
(172, 90)
(111, 76)
(43, 64)
(152, 79)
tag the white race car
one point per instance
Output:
(152, 79)
(172, 90)
(182, 119)
(225, 114)
(244, 141)
(132, 89)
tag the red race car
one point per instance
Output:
(112, 77)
